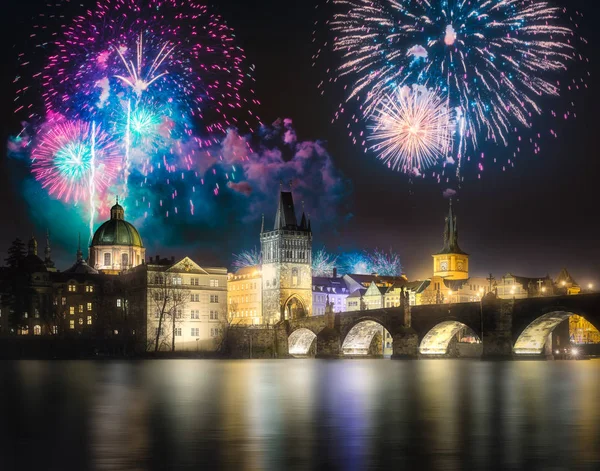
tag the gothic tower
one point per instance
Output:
(451, 262)
(286, 264)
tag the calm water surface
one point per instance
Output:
(299, 414)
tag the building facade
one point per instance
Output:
(244, 296)
(182, 306)
(332, 290)
(286, 265)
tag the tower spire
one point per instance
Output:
(48, 252)
(262, 224)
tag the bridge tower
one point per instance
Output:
(451, 262)
(286, 264)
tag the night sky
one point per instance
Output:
(531, 220)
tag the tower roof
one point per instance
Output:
(286, 214)
(451, 235)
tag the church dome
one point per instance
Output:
(117, 231)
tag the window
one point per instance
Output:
(37, 330)
(64, 301)
(124, 260)
(195, 314)
(106, 259)
(72, 310)
(158, 280)
(194, 281)
(195, 331)
(89, 289)
(214, 298)
(81, 321)
(177, 331)
(214, 332)
(177, 280)
(119, 302)
(72, 288)
(72, 324)
(89, 306)
(195, 298)
(214, 283)
(179, 313)
(294, 276)
(81, 308)
(55, 329)
(214, 315)
(89, 320)
(156, 331)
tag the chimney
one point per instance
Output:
(334, 272)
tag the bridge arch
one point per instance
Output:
(294, 308)
(300, 342)
(534, 338)
(438, 338)
(359, 339)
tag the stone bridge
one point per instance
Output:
(504, 328)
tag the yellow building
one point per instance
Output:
(582, 332)
(451, 263)
(244, 296)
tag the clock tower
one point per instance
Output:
(451, 263)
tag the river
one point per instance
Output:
(299, 414)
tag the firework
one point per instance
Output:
(73, 160)
(247, 258)
(163, 77)
(412, 129)
(323, 263)
(385, 263)
(491, 60)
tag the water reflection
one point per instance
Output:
(299, 414)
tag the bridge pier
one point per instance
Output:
(405, 344)
(329, 343)
(497, 328)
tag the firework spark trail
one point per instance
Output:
(92, 181)
(493, 59)
(412, 129)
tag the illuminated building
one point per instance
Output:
(451, 263)
(244, 296)
(116, 245)
(566, 283)
(332, 290)
(520, 287)
(450, 282)
(286, 264)
(188, 301)
(582, 332)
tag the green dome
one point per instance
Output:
(117, 231)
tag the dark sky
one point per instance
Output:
(530, 220)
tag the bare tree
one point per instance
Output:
(169, 298)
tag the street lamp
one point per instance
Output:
(590, 286)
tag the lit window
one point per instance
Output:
(106, 259)
(55, 329)
(89, 320)
(72, 324)
(89, 289)
(214, 283)
(72, 288)
(89, 306)
(81, 308)
(177, 280)
(72, 310)
(195, 331)
(177, 331)
(81, 321)
(119, 302)
(64, 301)
(37, 330)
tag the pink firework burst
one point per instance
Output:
(75, 161)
